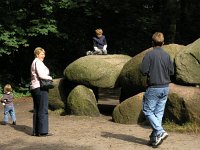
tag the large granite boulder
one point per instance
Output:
(130, 78)
(183, 104)
(81, 101)
(57, 96)
(129, 111)
(96, 70)
(188, 64)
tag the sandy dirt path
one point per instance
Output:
(84, 133)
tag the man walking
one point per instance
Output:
(158, 67)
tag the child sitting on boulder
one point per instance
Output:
(99, 44)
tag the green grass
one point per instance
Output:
(20, 95)
(184, 128)
(57, 111)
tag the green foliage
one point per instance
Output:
(65, 29)
(67, 4)
(20, 95)
(18, 92)
(22, 23)
(47, 7)
(11, 40)
(43, 26)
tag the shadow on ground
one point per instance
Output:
(125, 137)
(23, 128)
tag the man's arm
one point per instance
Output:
(144, 66)
(171, 67)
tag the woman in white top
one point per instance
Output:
(40, 96)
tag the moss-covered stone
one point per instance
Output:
(183, 104)
(188, 64)
(129, 111)
(56, 100)
(176, 109)
(58, 95)
(82, 101)
(130, 78)
(96, 70)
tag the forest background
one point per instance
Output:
(64, 28)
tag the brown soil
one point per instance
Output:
(84, 133)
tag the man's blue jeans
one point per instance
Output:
(154, 101)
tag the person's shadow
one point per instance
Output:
(22, 128)
(125, 138)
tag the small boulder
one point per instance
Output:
(81, 101)
(129, 111)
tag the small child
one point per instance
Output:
(7, 101)
(99, 44)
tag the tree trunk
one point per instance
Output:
(169, 20)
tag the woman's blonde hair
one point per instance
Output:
(158, 39)
(38, 50)
(99, 31)
(7, 88)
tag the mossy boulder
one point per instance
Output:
(57, 97)
(188, 64)
(81, 101)
(183, 104)
(96, 70)
(129, 111)
(130, 78)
